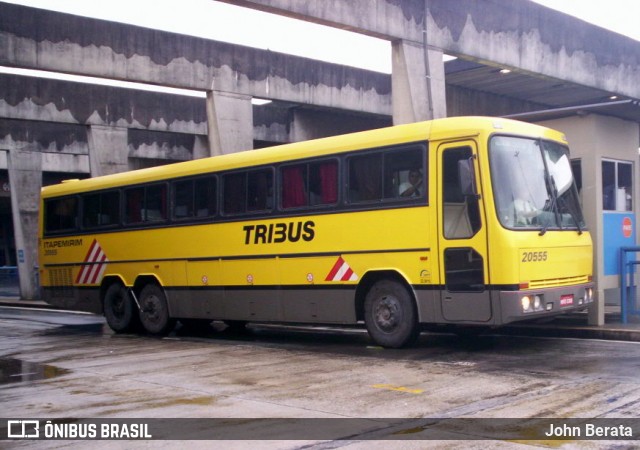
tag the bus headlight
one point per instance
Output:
(537, 303)
(532, 303)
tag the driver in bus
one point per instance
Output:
(523, 208)
(411, 188)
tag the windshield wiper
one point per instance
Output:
(574, 216)
(553, 193)
(552, 205)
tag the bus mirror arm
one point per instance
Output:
(467, 178)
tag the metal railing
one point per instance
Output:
(9, 282)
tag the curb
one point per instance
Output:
(576, 332)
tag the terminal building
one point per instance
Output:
(470, 57)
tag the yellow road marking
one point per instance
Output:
(391, 387)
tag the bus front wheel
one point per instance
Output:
(119, 310)
(390, 315)
(154, 310)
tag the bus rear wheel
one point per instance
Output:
(390, 315)
(154, 310)
(119, 310)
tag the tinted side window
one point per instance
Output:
(194, 198)
(393, 174)
(260, 190)
(365, 178)
(61, 215)
(145, 204)
(183, 196)
(206, 197)
(250, 191)
(101, 209)
(156, 203)
(403, 174)
(235, 193)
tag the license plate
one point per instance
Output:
(566, 300)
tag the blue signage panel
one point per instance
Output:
(619, 230)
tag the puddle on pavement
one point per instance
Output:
(14, 370)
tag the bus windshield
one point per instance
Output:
(533, 185)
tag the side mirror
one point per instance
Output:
(467, 177)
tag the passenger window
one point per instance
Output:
(235, 193)
(194, 198)
(248, 191)
(61, 214)
(183, 199)
(134, 201)
(156, 203)
(309, 184)
(404, 177)
(101, 210)
(365, 178)
(323, 183)
(146, 204)
(395, 174)
(260, 190)
(206, 197)
(294, 186)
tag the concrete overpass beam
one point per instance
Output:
(417, 83)
(108, 150)
(314, 124)
(25, 180)
(230, 120)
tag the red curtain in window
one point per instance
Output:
(293, 193)
(329, 182)
(134, 205)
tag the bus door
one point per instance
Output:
(462, 236)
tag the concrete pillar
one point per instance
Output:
(200, 147)
(108, 150)
(417, 83)
(25, 180)
(230, 121)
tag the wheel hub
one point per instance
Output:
(387, 313)
(150, 309)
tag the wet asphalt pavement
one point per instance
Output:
(57, 364)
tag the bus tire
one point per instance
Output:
(390, 315)
(119, 309)
(154, 310)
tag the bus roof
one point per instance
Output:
(421, 131)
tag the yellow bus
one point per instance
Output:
(470, 221)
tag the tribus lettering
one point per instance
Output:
(276, 233)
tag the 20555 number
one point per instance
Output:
(534, 256)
